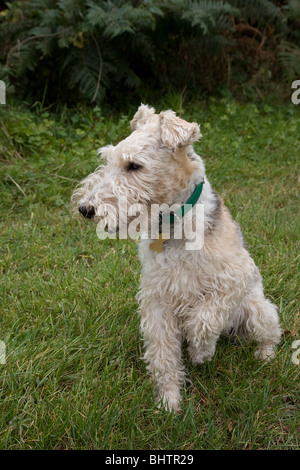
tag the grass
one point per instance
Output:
(74, 377)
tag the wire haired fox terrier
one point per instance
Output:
(194, 294)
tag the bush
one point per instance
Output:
(92, 50)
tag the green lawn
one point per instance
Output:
(74, 377)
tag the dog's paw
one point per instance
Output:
(169, 402)
(265, 352)
(197, 357)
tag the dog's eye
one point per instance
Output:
(134, 166)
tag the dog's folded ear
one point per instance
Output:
(143, 114)
(175, 132)
(106, 152)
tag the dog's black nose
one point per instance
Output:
(87, 212)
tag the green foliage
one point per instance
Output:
(289, 51)
(209, 15)
(96, 50)
(289, 58)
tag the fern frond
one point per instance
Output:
(207, 14)
(289, 59)
(259, 11)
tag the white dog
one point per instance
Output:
(193, 294)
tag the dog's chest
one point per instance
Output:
(179, 273)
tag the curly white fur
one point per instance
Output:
(192, 295)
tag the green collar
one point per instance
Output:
(157, 245)
(187, 206)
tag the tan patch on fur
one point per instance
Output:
(186, 168)
(226, 239)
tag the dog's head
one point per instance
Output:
(149, 167)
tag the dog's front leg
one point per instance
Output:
(162, 340)
(203, 325)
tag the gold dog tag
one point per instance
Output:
(157, 245)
